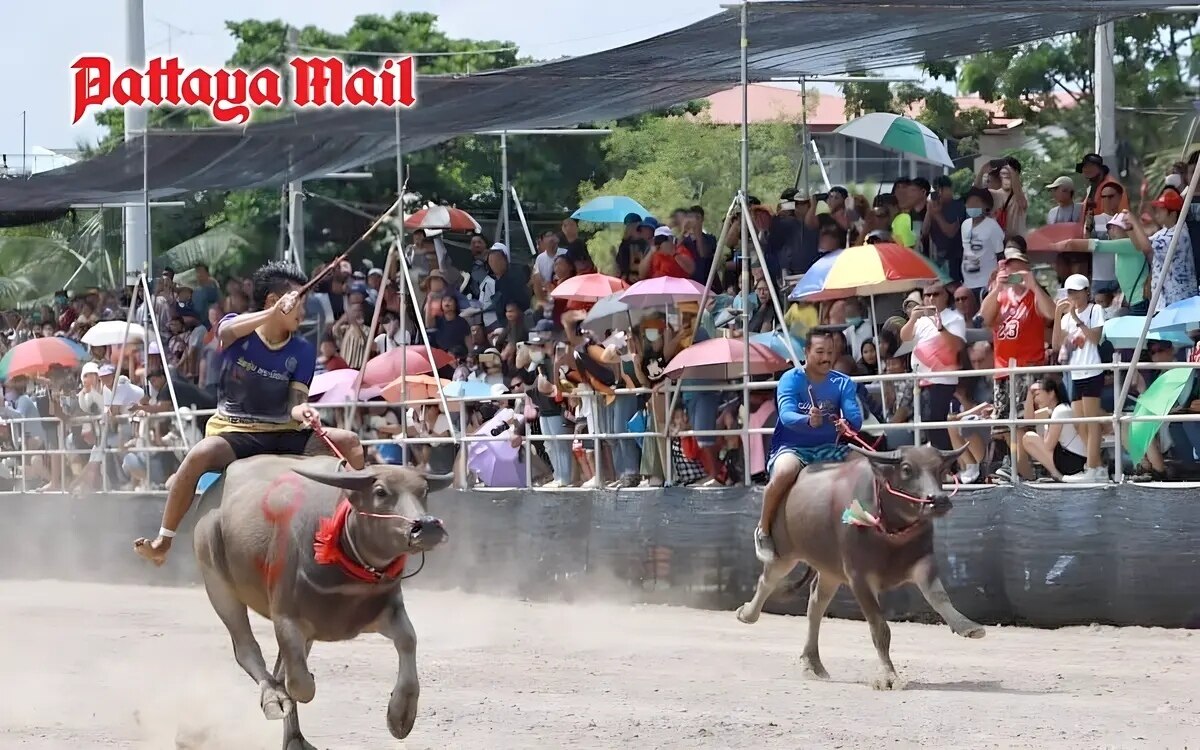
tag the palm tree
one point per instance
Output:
(36, 262)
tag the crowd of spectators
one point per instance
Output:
(504, 328)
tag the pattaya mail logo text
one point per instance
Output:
(231, 95)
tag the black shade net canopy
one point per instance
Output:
(786, 40)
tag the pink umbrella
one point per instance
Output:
(723, 359)
(408, 360)
(337, 387)
(590, 287)
(661, 291)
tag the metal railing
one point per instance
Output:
(15, 461)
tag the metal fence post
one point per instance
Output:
(1014, 442)
(1118, 461)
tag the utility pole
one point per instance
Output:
(1105, 92)
(137, 248)
(295, 187)
(24, 144)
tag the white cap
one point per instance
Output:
(106, 369)
(501, 247)
(1175, 181)
(665, 232)
(91, 368)
(1063, 181)
(1121, 220)
(375, 272)
(1076, 282)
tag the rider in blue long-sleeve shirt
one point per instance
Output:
(812, 404)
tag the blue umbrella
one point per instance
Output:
(609, 209)
(1125, 331)
(776, 343)
(1184, 315)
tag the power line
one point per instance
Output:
(368, 53)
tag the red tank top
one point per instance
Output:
(1020, 332)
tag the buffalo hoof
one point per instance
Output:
(275, 702)
(813, 669)
(887, 681)
(402, 713)
(975, 631)
(302, 688)
(747, 615)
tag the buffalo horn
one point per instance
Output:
(879, 457)
(353, 481)
(438, 481)
(948, 456)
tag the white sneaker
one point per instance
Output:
(764, 546)
(1100, 475)
(553, 484)
(1084, 477)
(591, 484)
(970, 474)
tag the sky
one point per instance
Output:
(44, 38)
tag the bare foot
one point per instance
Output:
(155, 552)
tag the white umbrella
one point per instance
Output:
(112, 333)
(898, 133)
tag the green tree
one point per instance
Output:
(677, 161)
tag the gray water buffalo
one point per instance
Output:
(868, 523)
(319, 552)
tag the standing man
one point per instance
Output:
(815, 405)
(702, 245)
(1018, 311)
(1065, 210)
(939, 335)
(943, 226)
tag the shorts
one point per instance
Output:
(815, 455)
(279, 443)
(1000, 394)
(1092, 387)
(1067, 462)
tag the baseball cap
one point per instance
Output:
(1093, 159)
(1121, 220)
(1076, 282)
(1015, 253)
(649, 223)
(632, 218)
(106, 369)
(663, 234)
(375, 272)
(91, 368)
(1170, 200)
(1063, 181)
(1175, 181)
(500, 246)
(913, 298)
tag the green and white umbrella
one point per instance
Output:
(898, 133)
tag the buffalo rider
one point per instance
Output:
(816, 405)
(262, 398)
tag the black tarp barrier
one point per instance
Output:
(787, 39)
(1124, 555)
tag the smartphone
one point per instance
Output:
(821, 197)
(673, 320)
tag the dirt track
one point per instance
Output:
(89, 666)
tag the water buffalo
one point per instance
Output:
(867, 523)
(319, 552)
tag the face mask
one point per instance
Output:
(652, 334)
(854, 321)
(974, 213)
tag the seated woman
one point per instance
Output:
(974, 437)
(1057, 447)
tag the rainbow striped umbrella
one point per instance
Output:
(866, 270)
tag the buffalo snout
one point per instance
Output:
(941, 505)
(428, 532)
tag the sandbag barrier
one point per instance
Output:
(1123, 555)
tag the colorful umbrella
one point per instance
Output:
(885, 268)
(609, 209)
(590, 287)
(662, 291)
(1181, 316)
(443, 217)
(898, 133)
(413, 388)
(723, 359)
(112, 333)
(37, 356)
(776, 342)
(1124, 332)
(1045, 239)
(337, 387)
(496, 462)
(405, 360)
(468, 389)
(1161, 398)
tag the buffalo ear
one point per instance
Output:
(438, 481)
(890, 458)
(353, 481)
